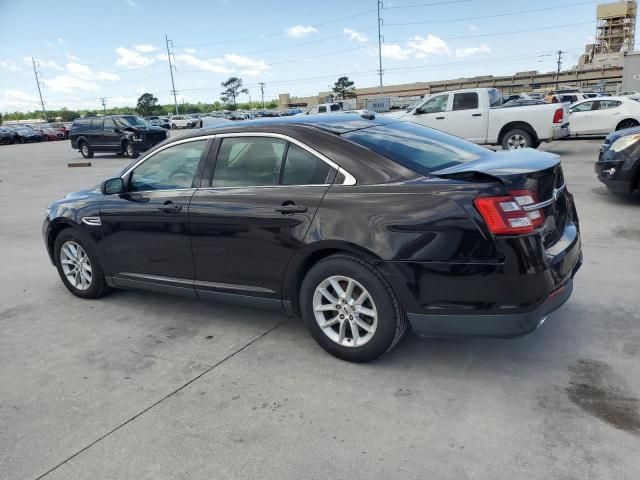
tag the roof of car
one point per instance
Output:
(338, 123)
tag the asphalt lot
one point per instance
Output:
(144, 386)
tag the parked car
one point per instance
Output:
(6, 136)
(65, 128)
(323, 108)
(471, 114)
(375, 223)
(180, 121)
(618, 165)
(568, 98)
(47, 132)
(123, 134)
(24, 134)
(601, 116)
(628, 93)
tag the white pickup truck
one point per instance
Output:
(476, 115)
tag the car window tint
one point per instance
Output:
(109, 125)
(335, 107)
(248, 161)
(322, 109)
(436, 104)
(417, 147)
(173, 167)
(304, 168)
(96, 125)
(465, 101)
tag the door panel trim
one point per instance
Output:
(193, 283)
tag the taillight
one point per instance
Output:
(558, 116)
(505, 215)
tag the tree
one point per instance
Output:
(233, 88)
(0, 118)
(344, 88)
(146, 104)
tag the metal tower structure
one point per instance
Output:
(615, 27)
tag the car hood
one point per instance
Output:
(613, 136)
(144, 128)
(93, 192)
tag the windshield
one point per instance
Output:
(418, 148)
(132, 121)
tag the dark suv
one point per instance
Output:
(124, 134)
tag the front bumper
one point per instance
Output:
(615, 169)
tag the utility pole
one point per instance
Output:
(560, 52)
(38, 76)
(171, 67)
(262, 84)
(104, 105)
(380, 5)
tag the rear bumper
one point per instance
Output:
(496, 326)
(558, 132)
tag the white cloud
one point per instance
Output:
(107, 76)
(72, 57)
(431, 45)
(67, 84)
(21, 96)
(131, 3)
(145, 48)
(192, 51)
(473, 27)
(394, 52)
(299, 31)
(252, 67)
(9, 65)
(79, 70)
(228, 63)
(355, 35)
(210, 65)
(467, 52)
(61, 41)
(132, 59)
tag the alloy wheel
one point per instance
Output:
(85, 150)
(345, 311)
(76, 265)
(516, 141)
(130, 152)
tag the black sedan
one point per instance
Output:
(6, 136)
(360, 225)
(618, 165)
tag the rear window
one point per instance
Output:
(418, 148)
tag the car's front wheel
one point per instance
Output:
(350, 309)
(129, 151)
(78, 265)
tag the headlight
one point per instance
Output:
(624, 142)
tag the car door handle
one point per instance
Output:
(476, 114)
(439, 118)
(170, 207)
(291, 209)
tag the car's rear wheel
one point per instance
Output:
(515, 139)
(85, 150)
(350, 310)
(628, 123)
(78, 265)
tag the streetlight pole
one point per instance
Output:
(38, 75)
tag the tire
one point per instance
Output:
(173, 125)
(129, 151)
(189, 125)
(515, 139)
(85, 150)
(96, 286)
(384, 328)
(628, 123)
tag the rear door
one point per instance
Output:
(95, 135)
(606, 117)
(466, 118)
(252, 216)
(580, 117)
(433, 112)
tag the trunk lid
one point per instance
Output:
(527, 169)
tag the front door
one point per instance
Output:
(110, 140)
(146, 229)
(466, 119)
(432, 113)
(580, 118)
(255, 214)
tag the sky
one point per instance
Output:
(115, 49)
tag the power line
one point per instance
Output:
(38, 76)
(497, 15)
(171, 67)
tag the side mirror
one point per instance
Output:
(418, 111)
(113, 186)
(117, 130)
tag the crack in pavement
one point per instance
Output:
(169, 395)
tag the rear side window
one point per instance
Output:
(582, 107)
(304, 168)
(248, 162)
(465, 101)
(96, 125)
(606, 104)
(81, 126)
(418, 148)
(322, 109)
(335, 107)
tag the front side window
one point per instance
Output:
(171, 168)
(465, 101)
(418, 148)
(335, 107)
(322, 109)
(582, 107)
(109, 126)
(303, 168)
(248, 162)
(435, 105)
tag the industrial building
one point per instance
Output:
(601, 67)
